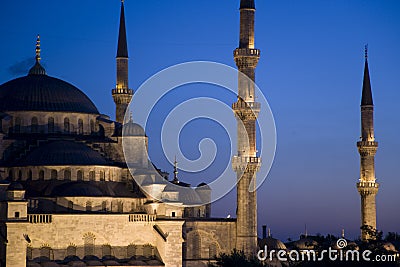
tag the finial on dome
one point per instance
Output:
(38, 48)
(366, 51)
(37, 69)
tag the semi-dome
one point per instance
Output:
(132, 129)
(63, 153)
(40, 92)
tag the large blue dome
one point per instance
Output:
(43, 93)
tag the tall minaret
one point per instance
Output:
(122, 94)
(246, 163)
(367, 186)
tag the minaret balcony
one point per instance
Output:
(367, 188)
(246, 52)
(122, 91)
(243, 162)
(243, 105)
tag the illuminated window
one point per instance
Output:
(196, 253)
(88, 244)
(213, 250)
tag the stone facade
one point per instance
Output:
(69, 197)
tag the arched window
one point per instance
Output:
(30, 174)
(196, 253)
(10, 175)
(50, 125)
(17, 126)
(88, 244)
(45, 252)
(92, 176)
(131, 251)
(213, 251)
(34, 125)
(80, 126)
(66, 125)
(88, 206)
(102, 176)
(20, 175)
(67, 175)
(79, 175)
(41, 175)
(53, 174)
(106, 250)
(92, 126)
(71, 250)
(147, 251)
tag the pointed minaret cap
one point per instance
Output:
(247, 4)
(122, 50)
(37, 69)
(366, 99)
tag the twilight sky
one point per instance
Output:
(310, 70)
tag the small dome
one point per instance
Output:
(271, 243)
(132, 129)
(305, 243)
(63, 153)
(203, 186)
(43, 93)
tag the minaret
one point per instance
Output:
(246, 163)
(367, 186)
(122, 95)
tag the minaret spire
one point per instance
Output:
(122, 95)
(366, 91)
(176, 180)
(246, 163)
(37, 69)
(367, 147)
(38, 49)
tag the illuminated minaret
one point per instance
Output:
(246, 163)
(367, 186)
(122, 95)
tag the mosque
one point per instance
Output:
(67, 197)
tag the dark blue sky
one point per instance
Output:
(310, 70)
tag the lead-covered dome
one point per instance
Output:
(40, 92)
